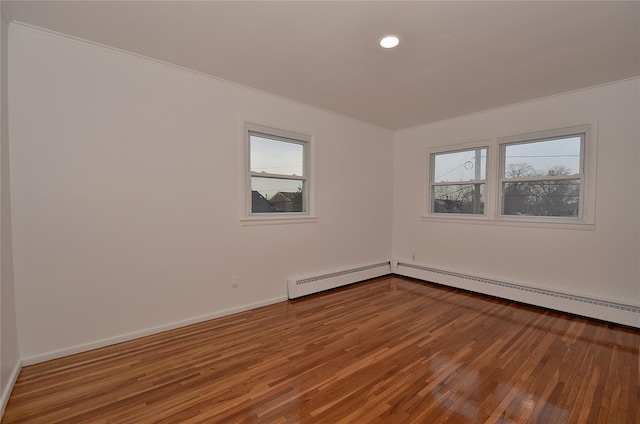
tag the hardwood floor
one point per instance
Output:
(390, 350)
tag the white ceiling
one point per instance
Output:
(454, 57)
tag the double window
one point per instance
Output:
(536, 177)
(278, 172)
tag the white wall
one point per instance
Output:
(9, 355)
(126, 185)
(602, 263)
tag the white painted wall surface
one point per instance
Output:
(126, 190)
(602, 263)
(9, 354)
(126, 185)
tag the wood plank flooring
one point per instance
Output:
(390, 350)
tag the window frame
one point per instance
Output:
(432, 183)
(495, 177)
(541, 138)
(257, 218)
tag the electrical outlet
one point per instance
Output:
(413, 257)
(234, 281)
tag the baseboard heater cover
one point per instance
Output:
(579, 305)
(308, 285)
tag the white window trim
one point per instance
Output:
(451, 149)
(493, 190)
(249, 218)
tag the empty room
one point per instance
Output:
(320, 212)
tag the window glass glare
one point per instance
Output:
(276, 156)
(466, 165)
(543, 158)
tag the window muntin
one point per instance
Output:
(278, 174)
(457, 181)
(543, 177)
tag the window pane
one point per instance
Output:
(542, 198)
(467, 165)
(276, 156)
(276, 195)
(543, 158)
(458, 198)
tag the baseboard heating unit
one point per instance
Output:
(308, 285)
(580, 305)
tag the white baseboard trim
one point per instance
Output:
(85, 347)
(6, 391)
(602, 309)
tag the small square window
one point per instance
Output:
(457, 181)
(278, 173)
(543, 177)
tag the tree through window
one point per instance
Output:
(546, 178)
(542, 177)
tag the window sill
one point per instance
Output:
(506, 222)
(277, 220)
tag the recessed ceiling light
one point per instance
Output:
(389, 41)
